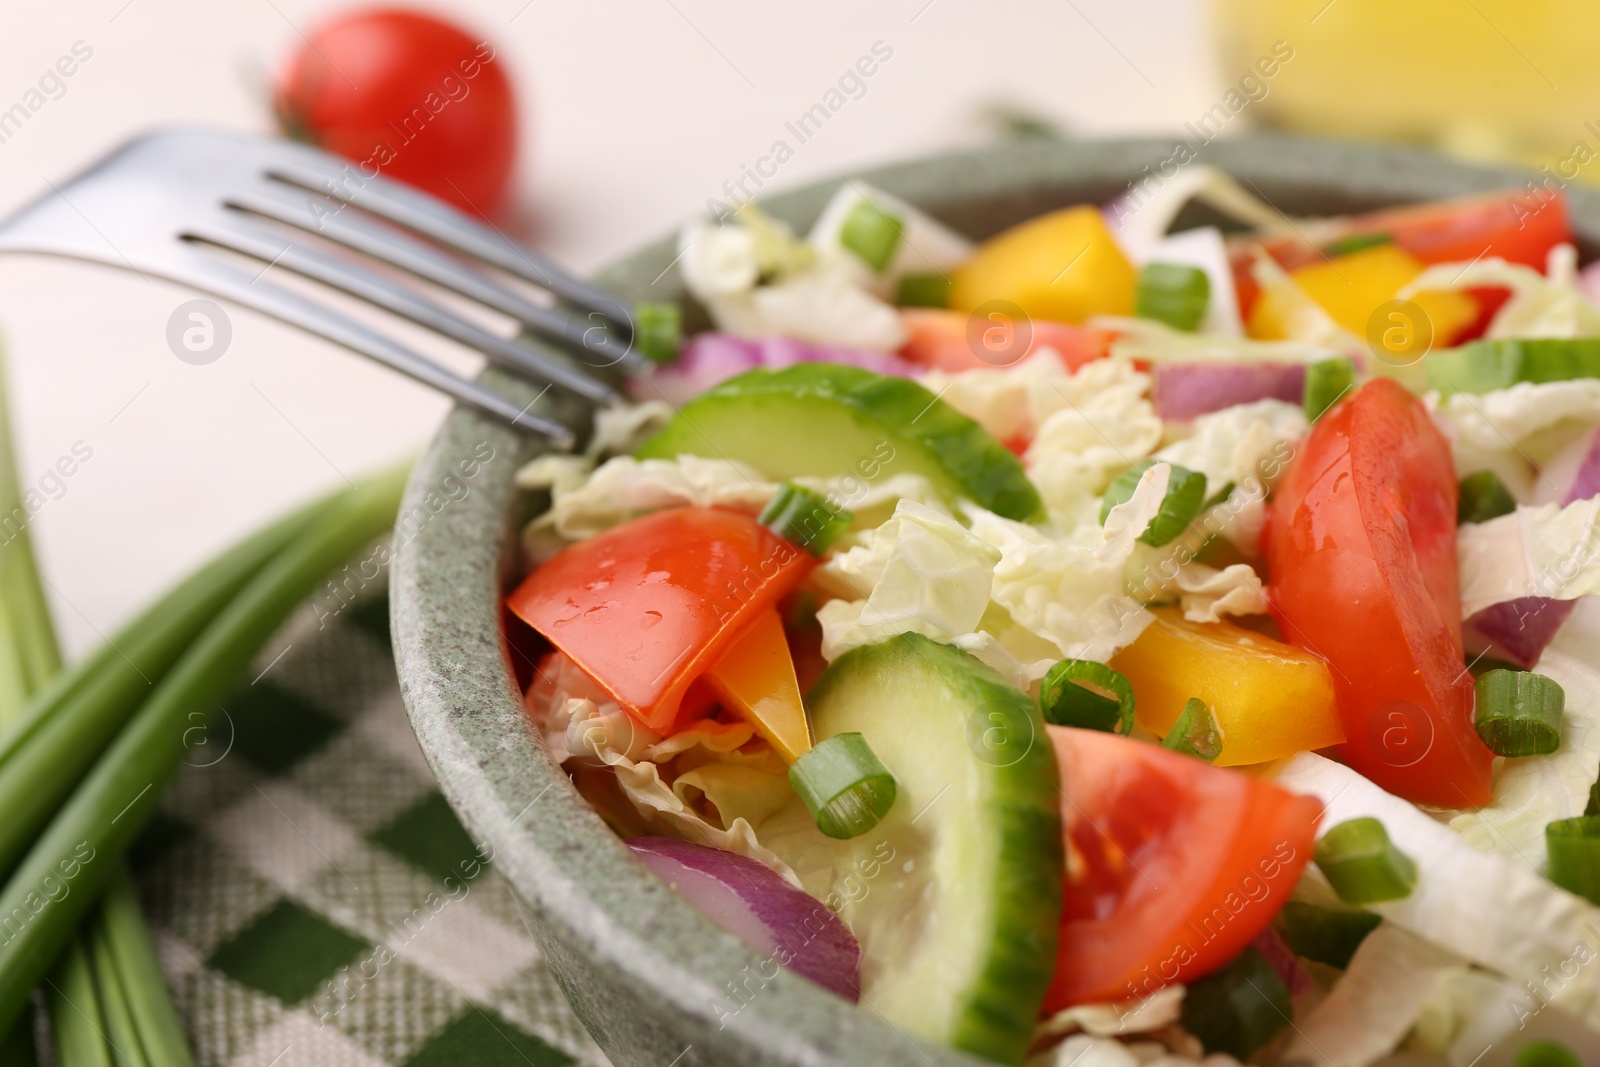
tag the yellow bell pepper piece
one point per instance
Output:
(755, 679)
(1060, 267)
(1271, 699)
(1350, 288)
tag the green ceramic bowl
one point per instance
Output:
(656, 984)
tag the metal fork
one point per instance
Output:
(165, 203)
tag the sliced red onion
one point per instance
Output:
(709, 359)
(1282, 959)
(1522, 629)
(1586, 483)
(754, 904)
(1185, 390)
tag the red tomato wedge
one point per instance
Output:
(1512, 225)
(1361, 544)
(938, 338)
(1173, 866)
(646, 607)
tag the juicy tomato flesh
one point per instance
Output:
(646, 607)
(1173, 866)
(939, 338)
(409, 96)
(1361, 546)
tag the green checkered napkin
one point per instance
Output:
(315, 901)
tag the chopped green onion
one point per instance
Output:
(1545, 1054)
(871, 234)
(1326, 935)
(844, 786)
(1483, 497)
(1186, 491)
(1363, 865)
(1356, 242)
(1173, 293)
(1574, 847)
(1519, 713)
(923, 291)
(658, 331)
(1327, 380)
(1239, 1008)
(804, 518)
(1593, 807)
(1195, 733)
(1219, 497)
(1066, 699)
(1481, 366)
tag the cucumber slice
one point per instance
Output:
(956, 895)
(827, 419)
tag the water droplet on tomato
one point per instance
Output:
(650, 619)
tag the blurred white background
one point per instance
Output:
(633, 113)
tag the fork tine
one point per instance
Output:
(220, 279)
(317, 171)
(400, 249)
(242, 235)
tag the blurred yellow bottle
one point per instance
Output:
(1488, 79)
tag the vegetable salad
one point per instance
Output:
(1106, 645)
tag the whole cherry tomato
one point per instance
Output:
(408, 96)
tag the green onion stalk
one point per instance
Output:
(113, 963)
(93, 828)
(120, 715)
(28, 653)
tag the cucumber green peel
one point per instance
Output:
(975, 836)
(832, 421)
(804, 518)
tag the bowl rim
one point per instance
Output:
(581, 891)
